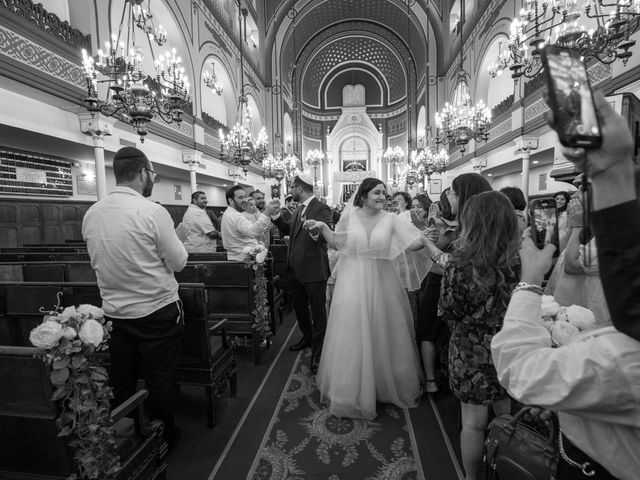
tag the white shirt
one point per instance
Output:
(134, 251)
(199, 224)
(239, 232)
(305, 204)
(593, 382)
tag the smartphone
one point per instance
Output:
(544, 222)
(570, 97)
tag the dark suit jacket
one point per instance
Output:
(307, 258)
(617, 231)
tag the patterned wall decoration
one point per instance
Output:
(396, 126)
(211, 141)
(362, 49)
(183, 127)
(357, 28)
(536, 108)
(500, 129)
(35, 56)
(311, 129)
(489, 17)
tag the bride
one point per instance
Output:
(369, 351)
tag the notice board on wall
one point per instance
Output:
(28, 173)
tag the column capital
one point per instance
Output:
(191, 157)
(526, 144)
(96, 124)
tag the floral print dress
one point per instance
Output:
(474, 318)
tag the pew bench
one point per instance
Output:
(30, 448)
(206, 358)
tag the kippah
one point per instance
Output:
(128, 153)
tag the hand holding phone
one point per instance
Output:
(570, 98)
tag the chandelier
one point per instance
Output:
(279, 167)
(211, 80)
(314, 159)
(557, 22)
(239, 146)
(461, 121)
(429, 161)
(394, 156)
(131, 93)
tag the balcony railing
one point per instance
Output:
(49, 22)
(502, 107)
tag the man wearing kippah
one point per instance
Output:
(134, 251)
(307, 266)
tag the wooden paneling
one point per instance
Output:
(36, 221)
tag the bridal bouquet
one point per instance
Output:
(66, 341)
(565, 323)
(255, 256)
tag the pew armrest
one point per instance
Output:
(220, 328)
(129, 405)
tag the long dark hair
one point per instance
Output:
(424, 200)
(365, 187)
(445, 206)
(467, 185)
(489, 241)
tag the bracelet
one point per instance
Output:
(436, 256)
(528, 287)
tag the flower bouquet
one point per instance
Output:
(255, 256)
(66, 341)
(565, 323)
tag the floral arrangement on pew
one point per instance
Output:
(565, 323)
(66, 341)
(254, 257)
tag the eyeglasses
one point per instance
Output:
(155, 177)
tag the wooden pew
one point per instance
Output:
(29, 445)
(230, 295)
(206, 359)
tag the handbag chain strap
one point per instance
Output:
(586, 468)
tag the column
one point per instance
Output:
(98, 126)
(525, 145)
(192, 159)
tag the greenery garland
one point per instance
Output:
(66, 341)
(254, 258)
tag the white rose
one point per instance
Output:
(261, 256)
(67, 314)
(69, 333)
(561, 316)
(550, 309)
(562, 333)
(246, 250)
(548, 323)
(46, 335)
(91, 332)
(548, 299)
(580, 317)
(90, 310)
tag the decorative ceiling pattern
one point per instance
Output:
(318, 16)
(348, 49)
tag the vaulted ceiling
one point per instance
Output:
(393, 26)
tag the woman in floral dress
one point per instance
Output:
(479, 276)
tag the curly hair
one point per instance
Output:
(489, 241)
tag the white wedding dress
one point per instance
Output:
(369, 353)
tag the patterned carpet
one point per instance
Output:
(305, 442)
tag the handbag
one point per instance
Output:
(516, 451)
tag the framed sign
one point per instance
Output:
(435, 187)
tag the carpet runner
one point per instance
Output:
(305, 442)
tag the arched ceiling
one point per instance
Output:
(328, 59)
(313, 17)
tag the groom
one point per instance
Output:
(307, 266)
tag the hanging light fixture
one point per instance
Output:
(394, 157)
(314, 160)
(557, 22)
(211, 80)
(131, 93)
(461, 121)
(280, 167)
(239, 146)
